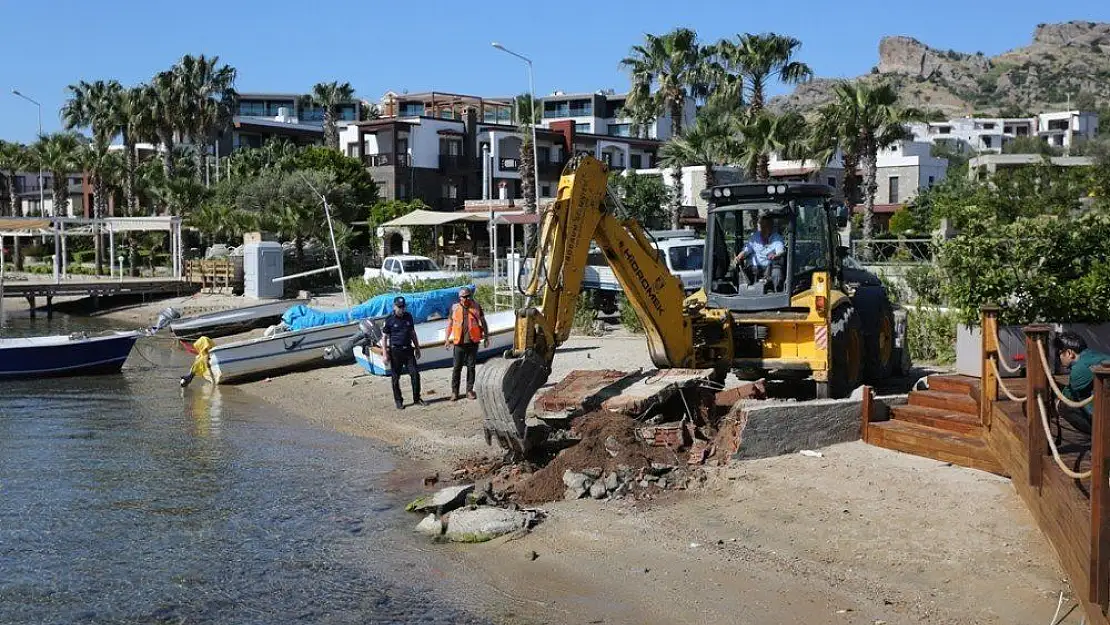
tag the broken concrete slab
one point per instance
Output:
(481, 524)
(653, 387)
(442, 501)
(580, 392)
(772, 428)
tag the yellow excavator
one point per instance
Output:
(780, 298)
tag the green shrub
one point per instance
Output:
(84, 256)
(931, 335)
(925, 283)
(629, 319)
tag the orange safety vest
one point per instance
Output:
(474, 310)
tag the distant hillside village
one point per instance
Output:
(458, 153)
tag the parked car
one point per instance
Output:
(406, 268)
(683, 255)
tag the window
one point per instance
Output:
(581, 108)
(411, 109)
(686, 258)
(932, 179)
(352, 150)
(348, 113)
(831, 181)
(252, 108)
(273, 109)
(944, 130)
(545, 190)
(987, 142)
(892, 189)
(636, 161)
(402, 191)
(620, 130)
(582, 128)
(450, 190)
(988, 126)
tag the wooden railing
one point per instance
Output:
(1039, 406)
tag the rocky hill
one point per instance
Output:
(1069, 59)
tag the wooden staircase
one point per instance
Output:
(942, 423)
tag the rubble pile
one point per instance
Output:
(611, 459)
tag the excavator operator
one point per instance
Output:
(762, 257)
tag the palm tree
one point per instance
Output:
(13, 158)
(103, 168)
(134, 122)
(94, 106)
(757, 58)
(330, 96)
(167, 119)
(763, 134)
(526, 115)
(207, 98)
(667, 71)
(58, 154)
(862, 119)
(706, 143)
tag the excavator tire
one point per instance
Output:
(505, 386)
(880, 363)
(846, 351)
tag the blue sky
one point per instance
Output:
(284, 45)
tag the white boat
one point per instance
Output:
(433, 334)
(276, 353)
(234, 321)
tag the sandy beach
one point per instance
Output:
(860, 535)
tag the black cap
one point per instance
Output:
(399, 301)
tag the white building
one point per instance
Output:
(603, 114)
(989, 135)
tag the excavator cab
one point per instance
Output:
(766, 242)
(775, 265)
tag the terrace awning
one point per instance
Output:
(420, 217)
(13, 225)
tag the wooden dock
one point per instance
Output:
(974, 423)
(31, 290)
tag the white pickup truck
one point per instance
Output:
(397, 269)
(682, 253)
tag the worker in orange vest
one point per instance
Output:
(466, 329)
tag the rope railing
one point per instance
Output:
(1007, 367)
(1052, 445)
(1052, 382)
(998, 378)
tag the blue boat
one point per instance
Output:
(65, 355)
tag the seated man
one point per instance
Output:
(1074, 354)
(764, 252)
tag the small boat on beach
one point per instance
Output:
(65, 355)
(433, 334)
(234, 321)
(283, 350)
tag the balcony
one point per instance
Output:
(386, 160)
(550, 167)
(454, 163)
(508, 164)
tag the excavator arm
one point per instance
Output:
(679, 334)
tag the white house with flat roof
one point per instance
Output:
(988, 135)
(603, 114)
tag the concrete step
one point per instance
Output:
(951, 402)
(937, 418)
(965, 450)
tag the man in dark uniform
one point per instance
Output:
(402, 350)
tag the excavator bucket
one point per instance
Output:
(505, 387)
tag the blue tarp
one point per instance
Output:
(421, 305)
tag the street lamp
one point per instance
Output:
(42, 202)
(532, 122)
(42, 191)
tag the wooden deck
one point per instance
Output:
(972, 423)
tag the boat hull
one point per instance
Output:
(229, 322)
(432, 336)
(269, 355)
(61, 357)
